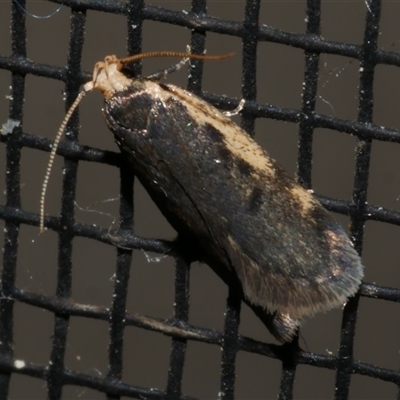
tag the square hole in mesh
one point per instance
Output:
(257, 377)
(151, 285)
(388, 27)
(5, 31)
(220, 10)
(280, 140)
(201, 375)
(286, 16)
(208, 294)
(320, 386)
(33, 330)
(366, 387)
(343, 21)
(87, 346)
(97, 195)
(333, 163)
(280, 75)
(386, 96)
(376, 340)
(149, 222)
(384, 177)
(37, 261)
(44, 106)
(146, 358)
(381, 254)
(93, 272)
(45, 48)
(105, 34)
(26, 387)
(223, 77)
(338, 81)
(321, 333)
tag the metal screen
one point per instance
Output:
(232, 341)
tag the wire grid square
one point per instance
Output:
(178, 326)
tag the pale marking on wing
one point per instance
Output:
(306, 200)
(236, 139)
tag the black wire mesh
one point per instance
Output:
(178, 327)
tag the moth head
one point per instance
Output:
(107, 77)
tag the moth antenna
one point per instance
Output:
(53, 154)
(127, 60)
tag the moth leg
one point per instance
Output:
(236, 110)
(163, 73)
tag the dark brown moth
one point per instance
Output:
(254, 224)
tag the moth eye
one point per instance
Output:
(110, 59)
(98, 67)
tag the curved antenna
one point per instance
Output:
(53, 154)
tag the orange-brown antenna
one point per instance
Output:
(127, 60)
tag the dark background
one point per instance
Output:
(280, 78)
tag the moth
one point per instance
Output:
(251, 222)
